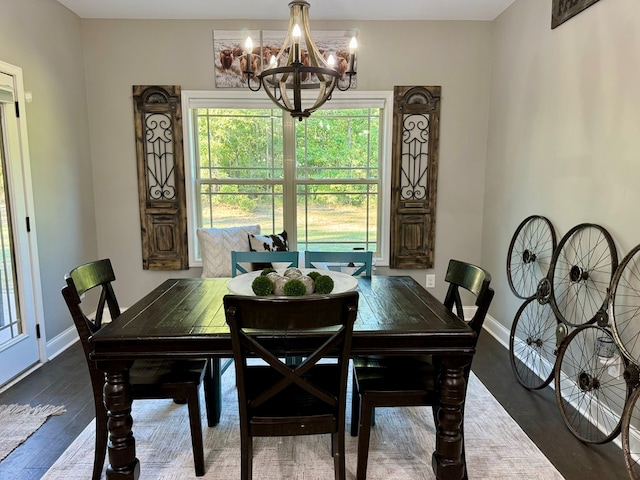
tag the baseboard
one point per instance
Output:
(61, 342)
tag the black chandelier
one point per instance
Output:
(299, 66)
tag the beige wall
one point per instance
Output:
(564, 137)
(119, 54)
(44, 39)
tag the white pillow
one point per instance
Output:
(216, 245)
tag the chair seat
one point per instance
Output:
(149, 372)
(395, 374)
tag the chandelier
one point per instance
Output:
(298, 77)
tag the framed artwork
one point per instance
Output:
(563, 10)
(230, 58)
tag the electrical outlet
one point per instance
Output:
(431, 280)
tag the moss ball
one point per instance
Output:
(324, 284)
(262, 286)
(267, 271)
(294, 288)
(314, 275)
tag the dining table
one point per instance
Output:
(185, 318)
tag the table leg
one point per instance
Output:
(213, 391)
(448, 461)
(123, 464)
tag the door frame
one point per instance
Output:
(25, 239)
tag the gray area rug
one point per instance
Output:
(19, 422)
(401, 445)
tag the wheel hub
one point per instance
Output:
(528, 256)
(534, 341)
(587, 382)
(577, 273)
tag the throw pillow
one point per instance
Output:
(268, 243)
(216, 245)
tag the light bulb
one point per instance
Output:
(248, 45)
(353, 45)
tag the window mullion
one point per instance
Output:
(289, 187)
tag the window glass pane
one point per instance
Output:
(337, 217)
(339, 144)
(240, 143)
(231, 205)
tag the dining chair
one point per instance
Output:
(277, 399)
(150, 379)
(380, 381)
(363, 259)
(238, 258)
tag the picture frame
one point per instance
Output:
(563, 10)
(229, 53)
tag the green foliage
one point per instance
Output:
(324, 284)
(294, 288)
(262, 286)
(267, 271)
(314, 275)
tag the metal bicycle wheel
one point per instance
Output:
(591, 390)
(529, 255)
(533, 343)
(581, 271)
(624, 311)
(631, 435)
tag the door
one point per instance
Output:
(20, 305)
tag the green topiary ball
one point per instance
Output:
(314, 275)
(324, 284)
(262, 286)
(294, 288)
(267, 271)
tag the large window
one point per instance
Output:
(322, 180)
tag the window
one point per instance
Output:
(322, 180)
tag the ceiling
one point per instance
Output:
(278, 9)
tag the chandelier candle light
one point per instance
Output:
(299, 66)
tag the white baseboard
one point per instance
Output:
(61, 342)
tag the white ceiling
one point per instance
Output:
(278, 9)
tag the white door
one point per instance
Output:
(20, 301)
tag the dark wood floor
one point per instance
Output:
(65, 381)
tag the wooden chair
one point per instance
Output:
(353, 257)
(150, 379)
(261, 258)
(277, 399)
(411, 381)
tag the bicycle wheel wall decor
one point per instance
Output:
(581, 271)
(529, 255)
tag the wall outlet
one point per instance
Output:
(431, 280)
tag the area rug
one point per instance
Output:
(401, 445)
(19, 422)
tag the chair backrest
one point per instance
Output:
(473, 279)
(365, 258)
(82, 279)
(260, 327)
(237, 258)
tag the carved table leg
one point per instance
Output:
(123, 464)
(448, 461)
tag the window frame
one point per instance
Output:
(192, 99)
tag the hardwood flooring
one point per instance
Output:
(65, 381)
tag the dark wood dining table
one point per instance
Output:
(184, 318)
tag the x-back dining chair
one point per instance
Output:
(238, 258)
(361, 257)
(278, 399)
(380, 381)
(150, 379)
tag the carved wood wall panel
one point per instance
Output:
(416, 125)
(161, 188)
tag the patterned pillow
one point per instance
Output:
(269, 243)
(216, 245)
